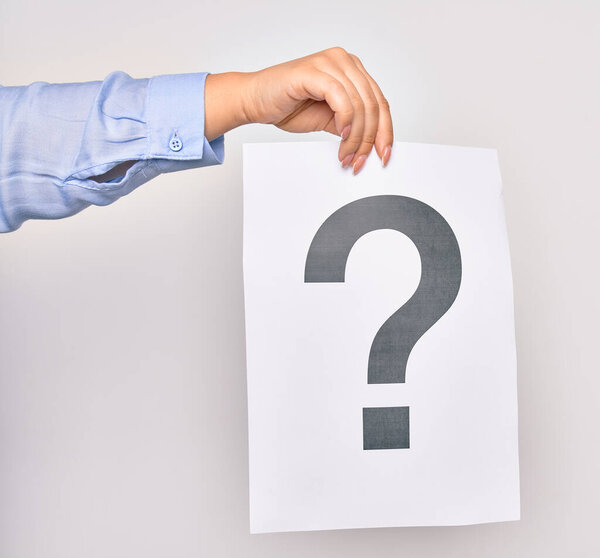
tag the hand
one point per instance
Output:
(329, 90)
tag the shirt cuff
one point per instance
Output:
(176, 124)
(175, 116)
(213, 153)
(170, 134)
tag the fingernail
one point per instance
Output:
(358, 164)
(347, 160)
(386, 155)
(346, 132)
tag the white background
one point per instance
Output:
(122, 384)
(308, 347)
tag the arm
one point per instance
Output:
(58, 139)
(64, 147)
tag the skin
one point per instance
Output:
(329, 90)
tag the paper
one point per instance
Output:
(380, 339)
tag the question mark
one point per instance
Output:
(441, 270)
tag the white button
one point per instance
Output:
(175, 144)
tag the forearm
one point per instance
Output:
(66, 146)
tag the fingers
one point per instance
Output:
(371, 123)
(370, 115)
(352, 140)
(324, 87)
(385, 130)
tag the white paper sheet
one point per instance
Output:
(444, 450)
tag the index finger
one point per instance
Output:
(385, 129)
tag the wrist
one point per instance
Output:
(225, 103)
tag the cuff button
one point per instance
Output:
(175, 144)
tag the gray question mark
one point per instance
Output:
(441, 270)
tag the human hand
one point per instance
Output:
(329, 90)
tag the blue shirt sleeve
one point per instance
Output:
(55, 137)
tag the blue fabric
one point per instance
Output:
(54, 137)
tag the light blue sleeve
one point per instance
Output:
(54, 137)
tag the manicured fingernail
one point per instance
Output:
(386, 155)
(346, 132)
(358, 164)
(347, 160)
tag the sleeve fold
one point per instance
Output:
(56, 137)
